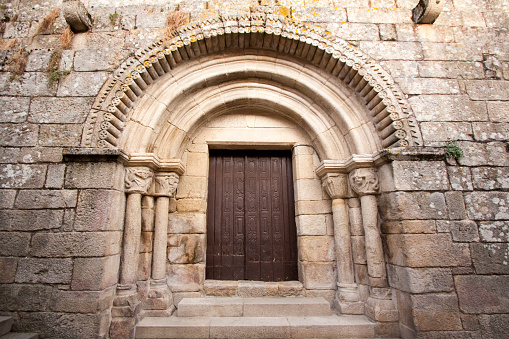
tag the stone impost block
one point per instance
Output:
(82, 244)
(44, 199)
(9, 266)
(22, 176)
(447, 108)
(179, 223)
(490, 178)
(16, 220)
(436, 312)
(100, 210)
(413, 205)
(422, 175)
(462, 230)
(487, 205)
(490, 258)
(44, 270)
(318, 276)
(59, 110)
(107, 175)
(409, 226)
(318, 248)
(14, 109)
(25, 297)
(483, 294)
(421, 280)
(494, 231)
(427, 250)
(14, 244)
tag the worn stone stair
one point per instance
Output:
(270, 317)
(5, 330)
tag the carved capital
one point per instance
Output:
(138, 179)
(364, 181)
(336, 185)
(427, 11)
(166, 184)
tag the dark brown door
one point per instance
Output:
(251, 233)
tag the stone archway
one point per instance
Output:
(347, 107)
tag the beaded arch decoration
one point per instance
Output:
(390, 112)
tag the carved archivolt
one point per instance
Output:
(390, 111)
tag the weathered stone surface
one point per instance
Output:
(18, 135)
(60, 135)
(9, 266)
(428, 86)
(447, 108)
(7, 199)
(494, 326)
(93, 60)
(431, 33)
(354, 31)
(401, 68)
(14, 109)
(191, 205)
(319, 276)
(83, 244)
(491, 258)
(320, 248)
(379, 15)
(82, 301)
(187, 248)
(308, 189)
(220, 288)
(39, 199)
(426, 250)
(413, 205)
(470, 322)
(494, 231)
(387, 32)
(14, 244)
(436, 312)
(35, 83)
(451, 69)
(433, 132)
(462, 230)
(186, 278)
(313, 207)
(66, 326)
(455, 205)
(16, 220)
(409, 226)
(59, 110)
(311, 225)
(358, 249)
(482, 154)
(191, 187)
(95, 273)
(38, 60)
(491, 131)
(44, 270)
(483, 294)
(487, 89)
(487, 205)
(392, 50)
(100, 210)
(497, 111)
(108, 175)
(55, 176)
(83, 84)
(422, 175)
(450, 52)
(421, 280)
(25, 297)
(490, 178)
(460, 178)
(187, 223)
(40, 154)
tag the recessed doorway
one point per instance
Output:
(251, 232)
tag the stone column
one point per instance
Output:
(379, 306)
(159, 296)
(347, 297)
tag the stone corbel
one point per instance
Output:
(77, 16)
(427, 11)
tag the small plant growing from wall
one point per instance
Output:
(54, 74)
(17, 63)
(46, 23)
(113, 18)
(453, 150)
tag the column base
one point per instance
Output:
(125, 312)
(347, 300)
(380, 306)
(159, 301)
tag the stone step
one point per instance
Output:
(14, 335)
(5, 324)
(332, 326)
(253, 307)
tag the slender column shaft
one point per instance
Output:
(131, 244)
(374, 249)
(342, 242)
(160, 238)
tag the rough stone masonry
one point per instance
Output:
(89, 243)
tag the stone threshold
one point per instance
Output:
(252, 289)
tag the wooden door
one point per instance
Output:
(251, 232)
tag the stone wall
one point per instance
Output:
(444, 222)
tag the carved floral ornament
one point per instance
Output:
(166, 184)
(138, 179)
(364, 181)
(389, 109)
